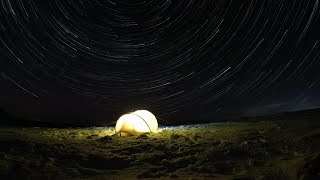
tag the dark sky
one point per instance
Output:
(91, 60)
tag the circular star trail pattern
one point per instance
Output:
(160, 54)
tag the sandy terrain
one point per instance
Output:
(256, 150)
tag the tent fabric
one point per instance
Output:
(141, 121)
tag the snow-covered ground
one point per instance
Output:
(260, 150)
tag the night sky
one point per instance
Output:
(92, 60)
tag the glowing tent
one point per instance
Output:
(141, 121)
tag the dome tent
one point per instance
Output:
(141, 121)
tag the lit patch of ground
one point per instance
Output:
(257, 150)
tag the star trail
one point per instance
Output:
(166, 56)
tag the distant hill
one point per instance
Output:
(3, 114)
(7, 119)
(303, 115)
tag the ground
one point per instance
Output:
(244, 150)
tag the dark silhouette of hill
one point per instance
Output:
(301, 115)
(7, 119)
(3, 115)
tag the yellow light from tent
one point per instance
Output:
(149, 118)
(138, 122)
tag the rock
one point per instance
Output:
(105, 139)
(196, 137)
(92, 136)
(175, 136)
(143, 136)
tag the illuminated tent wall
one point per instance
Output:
(141, 121)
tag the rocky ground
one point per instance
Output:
(247, 150)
